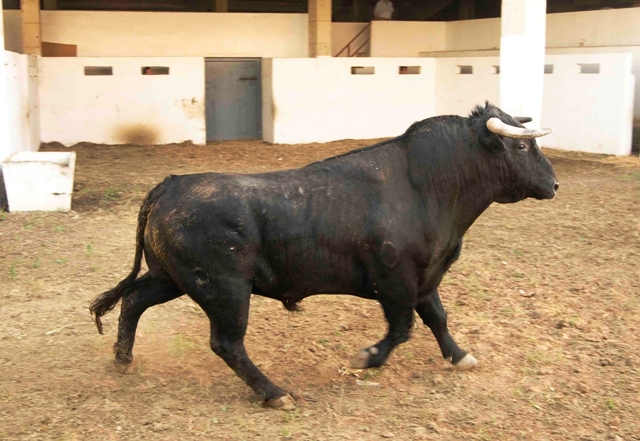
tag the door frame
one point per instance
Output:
(232, 59)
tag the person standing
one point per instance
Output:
(383, 10)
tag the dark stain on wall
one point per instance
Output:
(138, 134)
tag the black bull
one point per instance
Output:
(384, 222)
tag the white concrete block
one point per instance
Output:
(126, 107)
(39, 181)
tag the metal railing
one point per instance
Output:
(348, 46)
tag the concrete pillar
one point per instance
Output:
(221, 5)
(31, 43)
(522, 47)
(4, 104)
(319, 28)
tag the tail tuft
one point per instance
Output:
(108, 300)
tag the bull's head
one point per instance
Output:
(523, 169)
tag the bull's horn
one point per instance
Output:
(496, 125)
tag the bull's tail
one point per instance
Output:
(106, 301)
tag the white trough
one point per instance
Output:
(39, 181)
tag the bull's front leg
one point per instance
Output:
(434, 316)
(398, 301)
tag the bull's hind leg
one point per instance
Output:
(226, 303)
(433, 315)
(148, 291)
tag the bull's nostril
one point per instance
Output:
(556, 186)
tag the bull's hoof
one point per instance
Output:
(122, 363)
(122, 368)
(361, 360)
(467, 362)
(285, 402)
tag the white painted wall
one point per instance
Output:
(12, 30)
(472, 34)
(589, 112)
(108, 33)
(21, 105)
(184, 34)
(319, 100)
(406, 38)
(176, 34)
(611, 27)
(635, 68)
(125, 108)
(457, 94)
(633, 50)
(179, 34)
(5, 148)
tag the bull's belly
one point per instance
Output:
(288, 276)
(303, 282)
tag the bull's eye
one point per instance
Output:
(521, 146)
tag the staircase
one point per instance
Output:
(358, 46)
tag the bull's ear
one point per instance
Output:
(523, 119)
(487, 138)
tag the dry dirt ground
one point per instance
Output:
(546, 295)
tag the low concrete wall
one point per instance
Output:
(590, 112)
(320, 100)
(126, 107)
(22, 103)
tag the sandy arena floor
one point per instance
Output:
(546, 295)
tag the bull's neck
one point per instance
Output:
(456, 186)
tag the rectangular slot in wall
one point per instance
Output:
(589, 68)
(548, 68)
(154, 70)
(363, 70)
(495, 70)
(98, 70)
(409, 70)
(465, 70)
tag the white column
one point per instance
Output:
(319, 28)
(30, 13)
(522, 48)
(4, 113)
